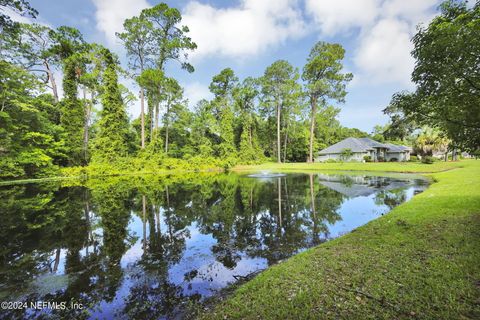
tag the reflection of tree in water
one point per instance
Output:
(391, 198)
(152, 292)
(377, 182)
(270, 219)
(324, 204)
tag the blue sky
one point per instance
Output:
(249, 35)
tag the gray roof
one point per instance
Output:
(361, 145)
(397, 148)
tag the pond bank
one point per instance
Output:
(402, 167)
(418, 261)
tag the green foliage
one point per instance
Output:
(428, 159)
(413, 159)
(168, 36)
(222, 86)
(367, 158)
(72, 116)
(111, 139)
(346, 154)
(429, 141)
(30, 138)
(20, 7)
(447, 75)
(324, 80)
(331, 161)
(280, 98)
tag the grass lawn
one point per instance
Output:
(412, 167)
(420, 261)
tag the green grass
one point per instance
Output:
(420, 261)
(409, 167)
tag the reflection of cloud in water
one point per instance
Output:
(199, 234)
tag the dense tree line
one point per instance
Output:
(274, 116)
(284, 115)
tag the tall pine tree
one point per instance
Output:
(72, 115)
(111, 140)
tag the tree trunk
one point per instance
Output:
(312, 129)
(57, 261)
(88, 109)
(285, 143)
(279, 159)
(144, 218)
(312, 208)
(52, 81)
(86, 210)
(157, 111)
(157, 215)
(166, 127)
(142, 116)
(280, 201)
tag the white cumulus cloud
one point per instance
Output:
(382, 49)
(245, 30)
(383, 54)
(110, 15)
(338, 16)
(196, 91)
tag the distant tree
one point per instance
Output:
(280, 90)
(152, 80)
(31, 47)
(324, 80)
(111, 140)
(246, 95)
(21, 7)
(152, 39)
(222, 87)
(173, 97)
(31, 142)
(402, 124)
(138, 42)
(447, 75)
(378, 132)
(203, 137)
(170, 38)
(430, 140)
(346, 154)
(72, 116)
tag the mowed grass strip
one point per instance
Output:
(406, 167)
(420, 261)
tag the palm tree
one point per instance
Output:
(430, 140)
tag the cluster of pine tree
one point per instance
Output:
(284, 115)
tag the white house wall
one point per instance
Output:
(356, 156)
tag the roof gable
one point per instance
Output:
(361, 145)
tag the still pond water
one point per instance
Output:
(156, 247)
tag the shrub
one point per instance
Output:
(393, 160)
(367, 158)
(346, 154)
(427, 160)
(331, 161)
(413, 159)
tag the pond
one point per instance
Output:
(157, 247)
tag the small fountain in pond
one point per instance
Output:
(266, 175)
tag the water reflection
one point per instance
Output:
(150, 248)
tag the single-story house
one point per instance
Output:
(361, 147)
